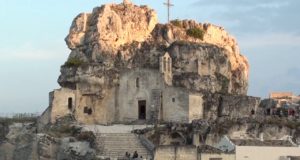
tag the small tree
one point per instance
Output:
(196, 33)
(73, 62)
(176, 23)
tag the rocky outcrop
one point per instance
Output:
(19, 143)
(229, 106)
(120, 36)
(204, 67)
(262, 128)
(109, 27)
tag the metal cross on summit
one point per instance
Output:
(169, 5)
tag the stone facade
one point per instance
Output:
(266, 153)
(176, 153)
(254, 149)
(165, 65)
(141, 94)
(189, 153)
(279, 95)
(62, 103)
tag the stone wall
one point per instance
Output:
(59, 100)
(233, 106)
(175, 105)
(222, 156)
(238, 106)
(265, 153)
(176, 153)
(92, 109)
(97, 105)
(134, 86)
(174, 101)
(44, 119)
(195, 107)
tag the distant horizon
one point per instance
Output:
(32, 45)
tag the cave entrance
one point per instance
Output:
(142, 109)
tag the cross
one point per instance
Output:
(169, 5)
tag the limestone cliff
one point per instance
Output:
(124, 36)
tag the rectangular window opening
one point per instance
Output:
(70, 103)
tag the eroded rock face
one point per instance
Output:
(221, 57)
(121, 36)
(109, 27)
(19, 143)
(23, 143)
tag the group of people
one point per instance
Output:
(135, 156)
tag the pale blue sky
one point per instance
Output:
(32, 46)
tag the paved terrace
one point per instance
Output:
(114, 128)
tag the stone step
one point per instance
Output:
(126, 149)
(123, 153)
(120, 143)
(115, 145)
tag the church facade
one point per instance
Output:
(142, 95)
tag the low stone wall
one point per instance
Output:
(176, 153)
(222, 156)
(233, 106)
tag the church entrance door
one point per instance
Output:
(142, 110)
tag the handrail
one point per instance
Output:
(145, 142)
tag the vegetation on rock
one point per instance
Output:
(196, 33)
(73, 62)
(176, 23)
(87, 136)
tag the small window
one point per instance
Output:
(165, 64)
(173, 99)
(87, 110)
(70, 103)
(169, 65)
(137, 82)
(252, 112)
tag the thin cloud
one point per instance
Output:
(28, 52)
(270, 40)
(243, 3)
(254, 15)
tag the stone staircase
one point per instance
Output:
(115, 145)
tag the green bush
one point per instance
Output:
(73, 62)
(87, 136)
(196, 33)
(176, 23)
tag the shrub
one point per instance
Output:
(176, 23)
(73, 62)
(62, 130)
(87, 136)
(196, 33)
